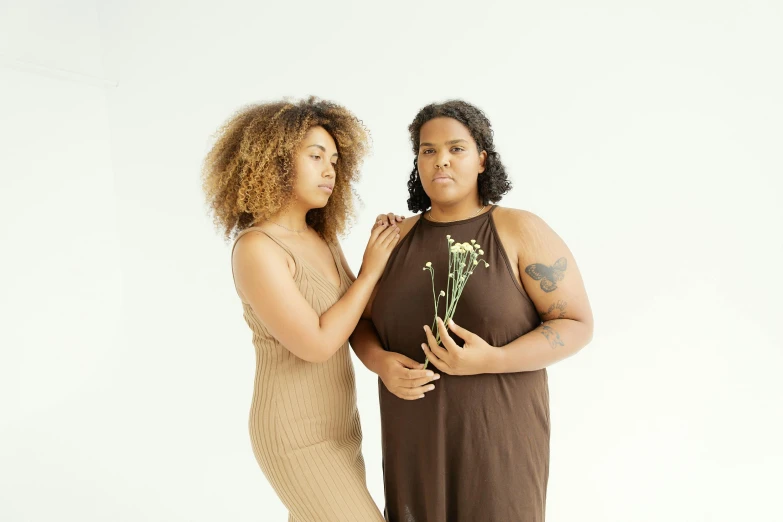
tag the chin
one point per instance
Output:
(320, 202)
(442, 194)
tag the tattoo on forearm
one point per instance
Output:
(556, 311)
(552, 336)
(548, 275)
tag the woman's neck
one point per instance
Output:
(455, 212)
(292, 219)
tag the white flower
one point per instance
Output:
(442, 293)
(486, 265)
(467, 246)
(475, 262)
(429, 264)
(481, 252)
(473, 241)
(451, 240)
(451, 275)
(476, 246)
(448, 236)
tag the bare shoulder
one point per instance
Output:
(407, 225)
(516, 216)
(524, 225)
(255, 249)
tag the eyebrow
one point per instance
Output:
(322, 148)
(452, 142)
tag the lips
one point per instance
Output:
(440, 179)
(326, 187)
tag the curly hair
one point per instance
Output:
(248, 174)
(493, 183)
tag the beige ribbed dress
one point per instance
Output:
(304, 424)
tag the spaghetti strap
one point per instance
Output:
(304, 425)
(270, 236)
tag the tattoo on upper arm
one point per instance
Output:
(548, 275)
(556, 311)
(552, 336)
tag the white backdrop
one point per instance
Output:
(648, 136)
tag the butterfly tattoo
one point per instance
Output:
(548, 275)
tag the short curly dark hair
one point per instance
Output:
(493, 183)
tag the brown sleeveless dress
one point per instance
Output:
(475, 449)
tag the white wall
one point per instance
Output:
(60, 277)
(648, 137)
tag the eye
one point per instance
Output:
(427, 151)
(460, 149)
(315, 156)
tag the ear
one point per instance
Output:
(482, 161)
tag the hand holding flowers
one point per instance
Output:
(474, 357)
(463, 259)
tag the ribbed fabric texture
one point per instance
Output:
(304, 424)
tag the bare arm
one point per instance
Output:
(264, 279)
(553, 282)
(401, 375)
(364, 339)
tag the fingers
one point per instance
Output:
(413, 378)
(384, 232)
(445, 338)
(432, 344)
(376, 232)
(417, 383)
(410, 383)
(459, 331)
(412, 375)
(392, 239)
(389, 219)
(407, 362)
(412, 394)
(385, 219)
(437, 363)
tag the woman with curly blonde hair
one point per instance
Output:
(278, 181)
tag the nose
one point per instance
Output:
(442, 161)
(329, 172)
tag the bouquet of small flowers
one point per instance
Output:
(463, 259)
